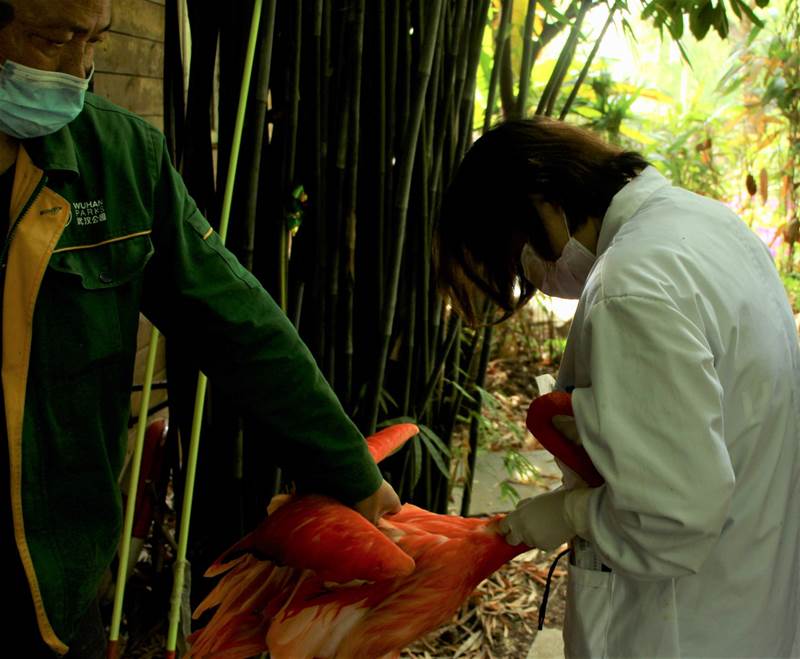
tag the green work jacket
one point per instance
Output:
(101, 228)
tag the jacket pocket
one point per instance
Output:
(588, 612)
(106, 264)
(88, 307)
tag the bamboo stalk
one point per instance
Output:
(355, 131)
(337, 220)
(474, 426)
(441, 361)
(585, 70)
(526, 66)
(404, 188)
(130, 504)
(411, 323)
(194, 444)
(468, 97)
(499, 48)
(471, 375)
(382, 157)
(262, 99)
(550, 94)
(457, 57)
(318, 282)
(391, 139)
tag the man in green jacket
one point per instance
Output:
(101, 227)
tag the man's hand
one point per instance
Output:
(381, 502)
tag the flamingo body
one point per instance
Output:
(313, 582)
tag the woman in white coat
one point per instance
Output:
(684, 368)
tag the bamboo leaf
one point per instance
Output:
(749, 12)
(460, 389)
(508, 491)
(433, 450)
(435, 439)
(416, 462)
(552, 11)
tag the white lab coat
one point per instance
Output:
(685, 362)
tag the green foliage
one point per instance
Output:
(791, 282)
(703, 15)
(607, 107)
(686, 153)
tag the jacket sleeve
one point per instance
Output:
(198, 293)
(652, 423)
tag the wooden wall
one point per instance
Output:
(129, 67)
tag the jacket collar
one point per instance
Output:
(626, 202)
(54, 153)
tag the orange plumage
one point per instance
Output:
(315, 579)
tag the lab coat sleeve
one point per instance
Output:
(652, 424)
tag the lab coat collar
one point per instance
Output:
(626, 202)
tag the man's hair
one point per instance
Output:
(487, 207)
(6, 13)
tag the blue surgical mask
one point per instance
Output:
(35, 103)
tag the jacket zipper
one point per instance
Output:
(37, 191)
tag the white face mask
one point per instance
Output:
(565, 277)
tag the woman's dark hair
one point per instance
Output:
(487, 212)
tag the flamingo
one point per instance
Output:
(317, 580)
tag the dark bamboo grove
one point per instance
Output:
(359, 113)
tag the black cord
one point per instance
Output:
(546, 594)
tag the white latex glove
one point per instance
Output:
(548, 520)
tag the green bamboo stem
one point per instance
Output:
(405, 98)
(382, 159)
(500, 46)
(130, 505)
(284, 244)
(403, 192)
(338, 219)
(474, 426)
(526, 66)
(320, 209)
(441, 361)
(391, 131)
(352, 200)
(405, 407)
(468, 95)
(294, 99)
(470, 376)
(550, 94)
(194, 443)
(585, 70)
(262, 99)
(456, 61)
